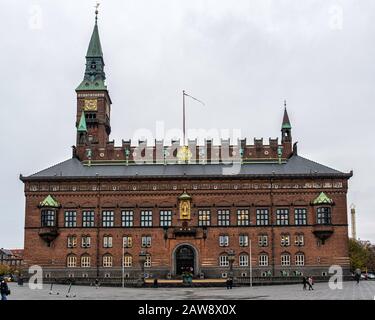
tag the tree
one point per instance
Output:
(4, 269)
(362, 255)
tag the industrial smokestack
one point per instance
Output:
(354, 226)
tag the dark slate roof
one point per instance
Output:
(73, 168)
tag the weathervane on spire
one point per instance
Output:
(96, 11)
(285, 103)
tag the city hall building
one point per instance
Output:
(212, 210)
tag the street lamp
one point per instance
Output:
(231, 258)
(142, 260)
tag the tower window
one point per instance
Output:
(324, 215)
(48, 218)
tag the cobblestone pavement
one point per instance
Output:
(351, 291)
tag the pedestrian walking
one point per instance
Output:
(310, 282)
(304, 282)
(4, 289)
(97, 283)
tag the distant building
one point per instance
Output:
(170, 209)
(11, 257)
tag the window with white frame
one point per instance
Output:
(263, 240)
(262, 217)
(127, 241)
(223, 217)
(285, 240)
(127, 218)
(148, 262)
(107, 242)
(165, 218)
(224, 240)
(300, 259)
(107, 261)
(282, 217)
(108, 219)
(243, 218)
(85, 261)
(300, 216)
(88, 219)
(146, 218)
(244, 240)
(48, 218)
(299, 240)
(263, 260)
(70, 219)
(244, 260)
(72, 241)
(285, 259)
(146, 242)
(128, 261)
(86, 242)
(323, 215)
(204, 218)
(71, 261)
(224, 260)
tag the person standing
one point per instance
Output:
(304, 282)
(4, 289)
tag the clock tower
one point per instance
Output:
(93, 102)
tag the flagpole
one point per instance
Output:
(251, 267)
(183, 116)
(123, 270)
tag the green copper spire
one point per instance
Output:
(94, 78)
(322, 199)
(50, 202)
(286, 122)
(82, 127)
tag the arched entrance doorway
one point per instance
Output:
(185, 259)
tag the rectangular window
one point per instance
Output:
(244, 260)
(85, 262)
(285, 259)
(224, 241)
(108, 219)
(262, 217)
(324, 215)
(146, 218)
(72, 242)
(282, 217)
(300, 216)
(107, 242)
(165, 218)
(299, 240)
(127, 241)
(146, 241)
(263, 260)
(204, 218)
(285, 240)
(48, 218)
(70, 219)
(88, 219)
(244, 240)
(127, 218)
(224, 261)
(107, 261)
(223, 217)
(263, 240)
(71, 262)
(86, 242)
(148, 262)
(300, 259)
(128, 261)
(243, 217)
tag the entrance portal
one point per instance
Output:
(185, 260)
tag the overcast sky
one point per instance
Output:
(242, 58)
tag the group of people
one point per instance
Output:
(308, 281)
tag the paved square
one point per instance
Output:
(351, 291)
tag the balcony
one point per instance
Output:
(185, 232)
(48, 234)
(322, 231)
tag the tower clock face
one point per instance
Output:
(90, 105)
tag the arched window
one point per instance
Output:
(148, 262)
(224, 260)
(300, 259)
(107, 261)
(85, 261)
(71, 261)
(244, 260)
(128, 261)
(285, 259)
(263, 260)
